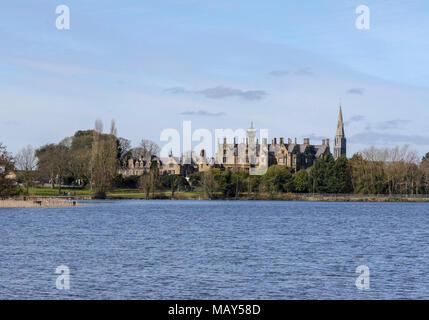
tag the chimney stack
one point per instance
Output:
(281, 140)
(306, 141)
(327, 142)
(295, 140)
(275, 141)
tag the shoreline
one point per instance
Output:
(276, 197)
(38, 201)
(279, 197)
(310, 199)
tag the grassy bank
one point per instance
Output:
(199, 195)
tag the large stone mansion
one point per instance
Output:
(250, 153)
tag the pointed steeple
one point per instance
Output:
(340, 138)
(340, 124)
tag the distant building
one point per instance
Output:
(11, 176)
(204, 163)
(183, 165)
(297, 156)
(249, 153)
(242, 156)
(171, 165)
(238, 156)
(136, 167)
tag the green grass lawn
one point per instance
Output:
(46, 191)
(123, 193)
(120, 193)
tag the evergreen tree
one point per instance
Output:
(278, 179)
(301, 181)
(322, 175)
(341, 177)
(224, 181)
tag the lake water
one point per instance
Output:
(134, 249)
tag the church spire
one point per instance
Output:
(340, 124)
(340, 138)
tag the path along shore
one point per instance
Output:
(37, 203)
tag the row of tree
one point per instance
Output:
(389, 171)
(91, 159)
(326, 176)
(373, 171)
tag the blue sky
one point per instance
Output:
(220, 63)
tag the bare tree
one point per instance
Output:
(113, 129)
(104, 158)
(98, 126)
(209, 183)
(61, 163)
(146, 149)
(45, 164)
(26, 162)
(124, 146)
(80, 161)
(145, 182)
(424, 168)
(388, 170)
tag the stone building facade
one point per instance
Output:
(295, 155)
(250, 153)
(184, 165)
(238, 156)
(243, 156)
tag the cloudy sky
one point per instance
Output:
(219, 63)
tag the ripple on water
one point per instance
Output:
(216, 250)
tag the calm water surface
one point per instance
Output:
(135, 249)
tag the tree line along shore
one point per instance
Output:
(86, 165)
(70, 195)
